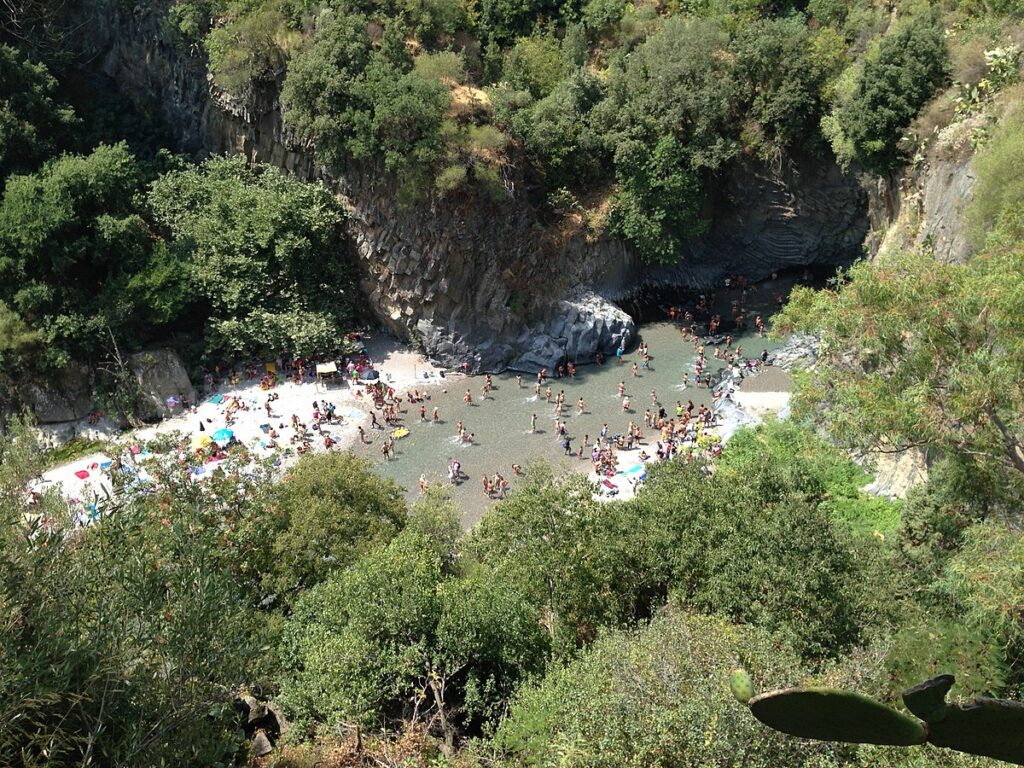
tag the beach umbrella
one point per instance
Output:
(201, 441)
(370, 375)
(222, 436)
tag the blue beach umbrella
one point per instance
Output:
(223, 436)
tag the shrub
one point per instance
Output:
(999, 168)
(330, 510)
(656, 696)
(894, 82)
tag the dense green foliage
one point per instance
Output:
(655, 697)
(894, 81)
(94, 251)
(999, 168)
(121, 642)
(408, 632)
(70, 237)
(840, 478)
(33, 122)
(560, 631)
(264, 253)
(331, 509)
(916, 353)
(652, 104)
(601, 633)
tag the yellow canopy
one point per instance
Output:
(201, 441)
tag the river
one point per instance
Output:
(501, 423)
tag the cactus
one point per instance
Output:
(927, 700)
(741, 686)
(828, 715)
(985, 727)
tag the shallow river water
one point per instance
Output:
(501, 423)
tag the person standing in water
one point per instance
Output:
(533, 423)
(435, 416)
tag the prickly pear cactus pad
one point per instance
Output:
(831, 715)
(927, 700)
(741, 685)
(989, 727)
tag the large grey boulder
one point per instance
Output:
(896, 473)
(261, 745)
(64, 397)
(580, 328)
(161, 375)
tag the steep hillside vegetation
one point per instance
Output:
(560, 631)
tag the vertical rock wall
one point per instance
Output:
(478, 281)
(926, 206)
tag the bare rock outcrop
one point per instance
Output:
(63, 397)
(161, 376)
(469, 278)
(926, 207)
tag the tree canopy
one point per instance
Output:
(919, 353)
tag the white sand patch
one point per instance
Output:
(762, 405)
(242, 409)
(71, 485)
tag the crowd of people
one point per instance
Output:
(663, 432)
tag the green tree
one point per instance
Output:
(668, 121)
(122, 642)
(918, 353)
(70, 235)
(895, 81)
(755, 544)
(503, 20)
(403, 634)
(656, 697)
(250, 47)
(33, 122)
(537, 63)
(264, 252)
(320, 92)
(16, 339)
(358, 101)
(330, 510)
(987, 579)
(557, 133)
(658, 205)
(829, 468)
(403, 124)
(583, 563)
(778, 80)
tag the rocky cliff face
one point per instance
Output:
(926, 206)
(477, 281)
